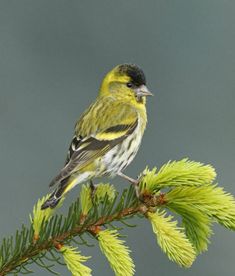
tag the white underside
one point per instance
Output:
(124, 154)
(108, 165)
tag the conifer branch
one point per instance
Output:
(89, 225)
(188, 191)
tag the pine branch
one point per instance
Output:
(188, 190)
(89, 225)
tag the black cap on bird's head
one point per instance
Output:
(130, 75)
(135, 73)
(137, 79)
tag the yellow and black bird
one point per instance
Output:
(108, 134)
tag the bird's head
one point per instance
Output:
(126, 82)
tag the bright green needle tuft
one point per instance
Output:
(105, 189)
(172, 239)
(210, 200)
(74, 261)
(86, 200)
(116, 252)
(177, 174)
(40, 216)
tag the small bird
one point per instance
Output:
(108, 134)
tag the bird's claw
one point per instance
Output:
(93, 188)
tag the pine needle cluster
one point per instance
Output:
(183, 187)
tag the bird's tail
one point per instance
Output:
(63, 187)
(56, 195)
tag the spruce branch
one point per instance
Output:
(183, 187)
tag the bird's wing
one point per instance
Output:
(104, 125)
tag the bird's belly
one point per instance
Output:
(117, 159)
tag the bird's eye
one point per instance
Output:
(129, 84)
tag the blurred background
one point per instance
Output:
(53, 56)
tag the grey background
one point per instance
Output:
(53, 55)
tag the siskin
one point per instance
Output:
(108, 134)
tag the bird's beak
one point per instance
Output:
(143, 91)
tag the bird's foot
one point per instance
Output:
(93, 188)
(134, 182)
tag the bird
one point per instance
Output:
(108, 134)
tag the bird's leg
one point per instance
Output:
(133, 181)
(93, 188)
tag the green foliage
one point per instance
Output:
(116, 252)
(59, 228)
(199, 208)
(184, 187)
(172, 239)
(40, 216)
(177, 174)
(103, 190)
(198, 228)
(210, 200)
(74, 261)
(86, 200)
